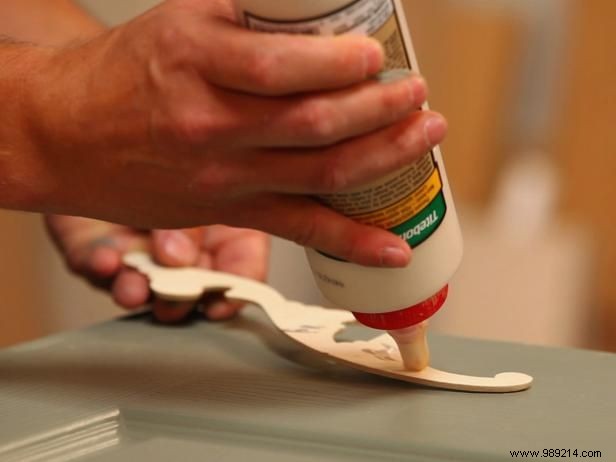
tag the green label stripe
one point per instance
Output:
(421, 226)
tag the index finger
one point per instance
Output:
(280, 64)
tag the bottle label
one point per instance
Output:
(409, 202)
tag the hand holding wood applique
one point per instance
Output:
(314, 327)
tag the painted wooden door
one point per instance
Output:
(133, 390)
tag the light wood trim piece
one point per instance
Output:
(314, 327)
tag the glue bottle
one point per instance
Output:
(414, 202)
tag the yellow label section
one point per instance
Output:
(384, 192)
(410, 206)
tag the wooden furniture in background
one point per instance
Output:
(469, 56)
(585, 143)
(20, 295)
(38, 295)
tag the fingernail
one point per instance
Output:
(434, 130)
(417, 84)
(394, 257)
(393, 75)
(105, 241)
(178, 246)
(419, 90)
(373, 57)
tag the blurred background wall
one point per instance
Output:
(528, 89)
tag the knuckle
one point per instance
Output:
(169, 36)
(262, 70)
(212, 182)
(320, 120)
(174, 45)
(350, 61)
(332, 175)
(353, 248)
(305, 230)
(198, 126)
(396, 102)
(409, 142)
(192, 126)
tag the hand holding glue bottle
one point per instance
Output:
(414, 202)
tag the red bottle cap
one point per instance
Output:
(406, 317)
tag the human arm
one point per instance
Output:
(93, 249)
(29, 29)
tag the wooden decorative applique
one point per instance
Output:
(314, 327)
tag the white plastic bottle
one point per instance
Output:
(414, 202)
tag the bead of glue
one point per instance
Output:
(408, 329)
(413, 345)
